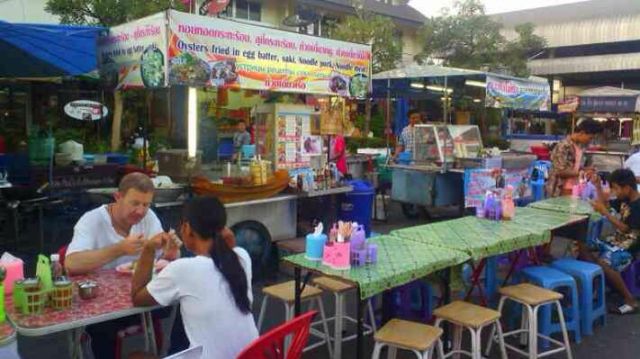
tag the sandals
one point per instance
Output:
(625, 309)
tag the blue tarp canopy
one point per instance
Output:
(37, 51)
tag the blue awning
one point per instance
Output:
(37, 50)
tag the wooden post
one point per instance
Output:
(117, 121)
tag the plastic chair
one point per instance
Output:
(412, 301)
(585, 273)
(271, 344)
(248, 152)
(225, 149)
(553, 279)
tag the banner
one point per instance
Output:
(517, 94)
(133, 55)
(619, 104)
(213, 52)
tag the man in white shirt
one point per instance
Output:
(115, 233)
(633, 163)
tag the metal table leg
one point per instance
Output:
(298, 290)
(446, 297)
(360, 309)
(75, 342)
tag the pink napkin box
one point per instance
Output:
(15, 271)
(337, 255)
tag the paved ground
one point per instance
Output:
(620, 339)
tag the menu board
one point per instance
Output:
(291, 129)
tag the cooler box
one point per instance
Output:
(356, 206)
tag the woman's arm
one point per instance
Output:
(142, 276)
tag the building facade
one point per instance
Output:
(589, 44)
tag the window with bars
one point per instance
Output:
(243, 9)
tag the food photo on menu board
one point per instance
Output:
(312, 145)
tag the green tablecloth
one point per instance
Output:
(478, 237)
(399, 262)
(567, 204)
(544, 219)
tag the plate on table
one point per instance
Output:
(129, 268)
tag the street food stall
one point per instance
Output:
(618, 110)
(212, 62)
(448, 164)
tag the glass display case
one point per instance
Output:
(438, 143)
(467, 141)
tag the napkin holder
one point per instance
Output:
(337, 255)
(314, 246)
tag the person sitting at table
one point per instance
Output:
(616, 252)
(213, 288)
(114, 234)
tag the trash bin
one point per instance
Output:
(356, 205)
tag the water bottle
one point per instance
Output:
(56, 267)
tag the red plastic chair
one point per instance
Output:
(271, 344)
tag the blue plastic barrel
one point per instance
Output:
(356, 205)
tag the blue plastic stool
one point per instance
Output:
(585, 273)
(412, 301)
(554, 279)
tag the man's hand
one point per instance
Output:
(599, 207)
(132, 245)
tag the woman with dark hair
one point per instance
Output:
(567, 158)
(213, 288)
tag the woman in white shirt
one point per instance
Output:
(213, 288)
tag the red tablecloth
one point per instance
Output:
(114, 300)
(6, 331)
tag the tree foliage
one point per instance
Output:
(107, 12)
(466, 37)
(367, 28)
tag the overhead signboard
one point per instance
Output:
(517, 94)
(213, 52)
(133, 55)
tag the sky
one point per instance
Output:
(432, 7)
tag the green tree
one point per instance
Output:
(466, 37)
(107, 12)
(368, 28)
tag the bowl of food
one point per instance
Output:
(152, 67)
(359, 86)
(188, 69)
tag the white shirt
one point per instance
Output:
(94, 231)
(633, 163)
(209, 312)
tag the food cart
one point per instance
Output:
(448, 166)
(188, 52)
